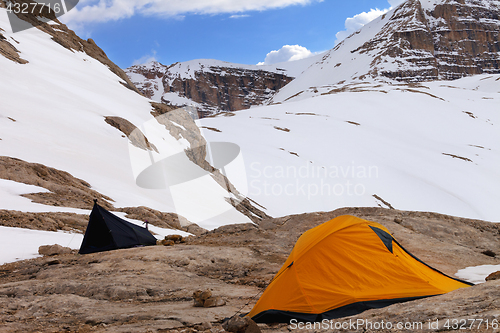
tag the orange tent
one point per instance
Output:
(343, 267)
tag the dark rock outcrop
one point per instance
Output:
(446, 41)
(228, 89)
(134, 134)
(64, 189)
(9, 51)
(493, 276)
(212, 88)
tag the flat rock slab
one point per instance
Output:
(150, 289)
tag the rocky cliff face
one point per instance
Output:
(420, 40)
(212, 86)
(149, 79)
(432, 40)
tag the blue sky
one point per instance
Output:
(240, 31)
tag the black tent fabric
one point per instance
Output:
(106, 231)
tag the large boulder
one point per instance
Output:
(493, 276)
(206, 300)
(239, 324)
(52, 250)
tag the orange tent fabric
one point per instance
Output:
(343, 267)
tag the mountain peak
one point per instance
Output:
(420, 40)
(210, 85)
(429, 40)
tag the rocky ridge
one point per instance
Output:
(212, 86)
(420, 40)
(423, 40)
(64, 190)
(437, 40)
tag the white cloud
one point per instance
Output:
(238, 16)
(111, 10)
(145, 59)
(353, 24)
(286, 53)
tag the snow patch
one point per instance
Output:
(20, 244)
(477, 274)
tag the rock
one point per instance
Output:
(489, 253)
(10, 52)
(51, 262)
(195, 229)
(235, 228)
(165, 242)
(198, 301)
(182, 262)
(203, 326)
(214, 88)
(241, 325)
(235, 324)
(65, 190)
(206, 300)
(206, 295)
(177, 239)
(252, 327)
(52, 250)
(213, 302)
(493, 276)
(136, 137)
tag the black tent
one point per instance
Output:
(106, 231)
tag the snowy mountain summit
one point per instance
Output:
(210, 85)
(420, 40)
(425, 40)
(437, 39)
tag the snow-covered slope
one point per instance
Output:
(55, 108)
(427, 147)
(420, 40)
(362, 116)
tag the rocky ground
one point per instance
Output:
(64, 190)
(150, 289)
